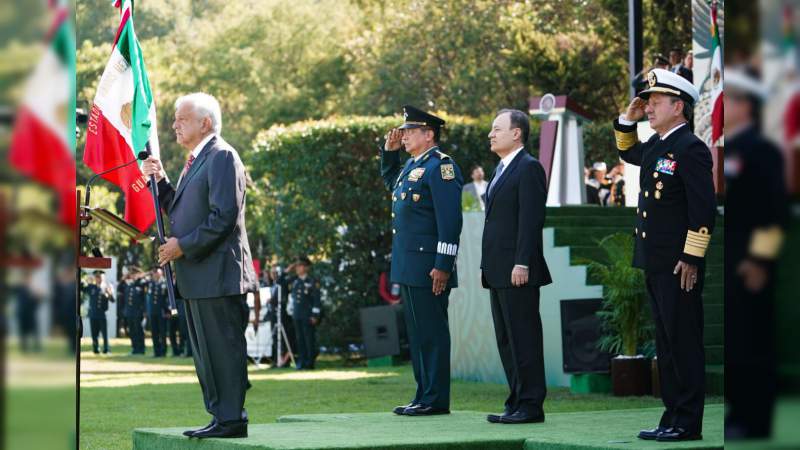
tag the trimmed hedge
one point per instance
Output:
(316, 190)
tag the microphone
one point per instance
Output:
(141, 156)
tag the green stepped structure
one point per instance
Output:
(581, 227)
(460, 430)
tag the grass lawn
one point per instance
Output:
(120, 392)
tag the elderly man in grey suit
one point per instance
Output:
(213, 267)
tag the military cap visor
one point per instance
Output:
(416, 118)
(665, 82)
(738, 81)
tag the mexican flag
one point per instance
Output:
(43, 140)
(122, 120)
(717, 115)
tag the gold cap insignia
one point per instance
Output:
(651, 79)
(448, 173)
(415, 197)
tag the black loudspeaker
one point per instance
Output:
(380, 331)
(580, 332)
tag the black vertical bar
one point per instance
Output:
(635, 50)
(173, 307)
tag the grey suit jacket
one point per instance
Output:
(206, 214)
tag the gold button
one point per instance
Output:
(659, 185)
(636, 231)
(655, 174)
(637, 210)
(420, 249)
(392, 214)
(644, 235)
(394, 199)
(644, 214)
(394, 231)
(646, 194)
(658, 195)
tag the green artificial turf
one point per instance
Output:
(459, 430)
(120, 393)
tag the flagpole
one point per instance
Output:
(173, 307)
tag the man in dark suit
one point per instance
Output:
(675, 219)
(213, 266)
(426, 226)
(676, 62)
(513, 266)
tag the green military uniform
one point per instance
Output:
(426, 226)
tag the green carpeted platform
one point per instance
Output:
(460, 430)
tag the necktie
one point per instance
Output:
(186, 168)
(498, 172)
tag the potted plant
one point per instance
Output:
(626, 327)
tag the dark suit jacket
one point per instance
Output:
(206, 214)
(512, 234)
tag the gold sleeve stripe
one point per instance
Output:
(766, 242)
(697, 242)
(625, 140)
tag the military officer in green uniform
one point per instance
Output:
(307, 310)
(134, 310)
(98, 295)
(675, 219)
(159, 312)
(426, 225)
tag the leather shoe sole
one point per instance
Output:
(401, 410)
(670, 437)
(651, 435)
(521, 419)
(223, 431)
(190, 433)
(425, 411)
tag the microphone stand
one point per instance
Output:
(173, 307)
(94, 177)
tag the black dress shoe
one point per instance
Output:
(678, 434)
(651, 435)
(495, 418)
(425, 410)
(522, 417)
(190, 433)
(400, 410)
(219, 430)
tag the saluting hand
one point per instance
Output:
(440, 278)
(393, 140)
(635, 109)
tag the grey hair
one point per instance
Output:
(206, 106)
